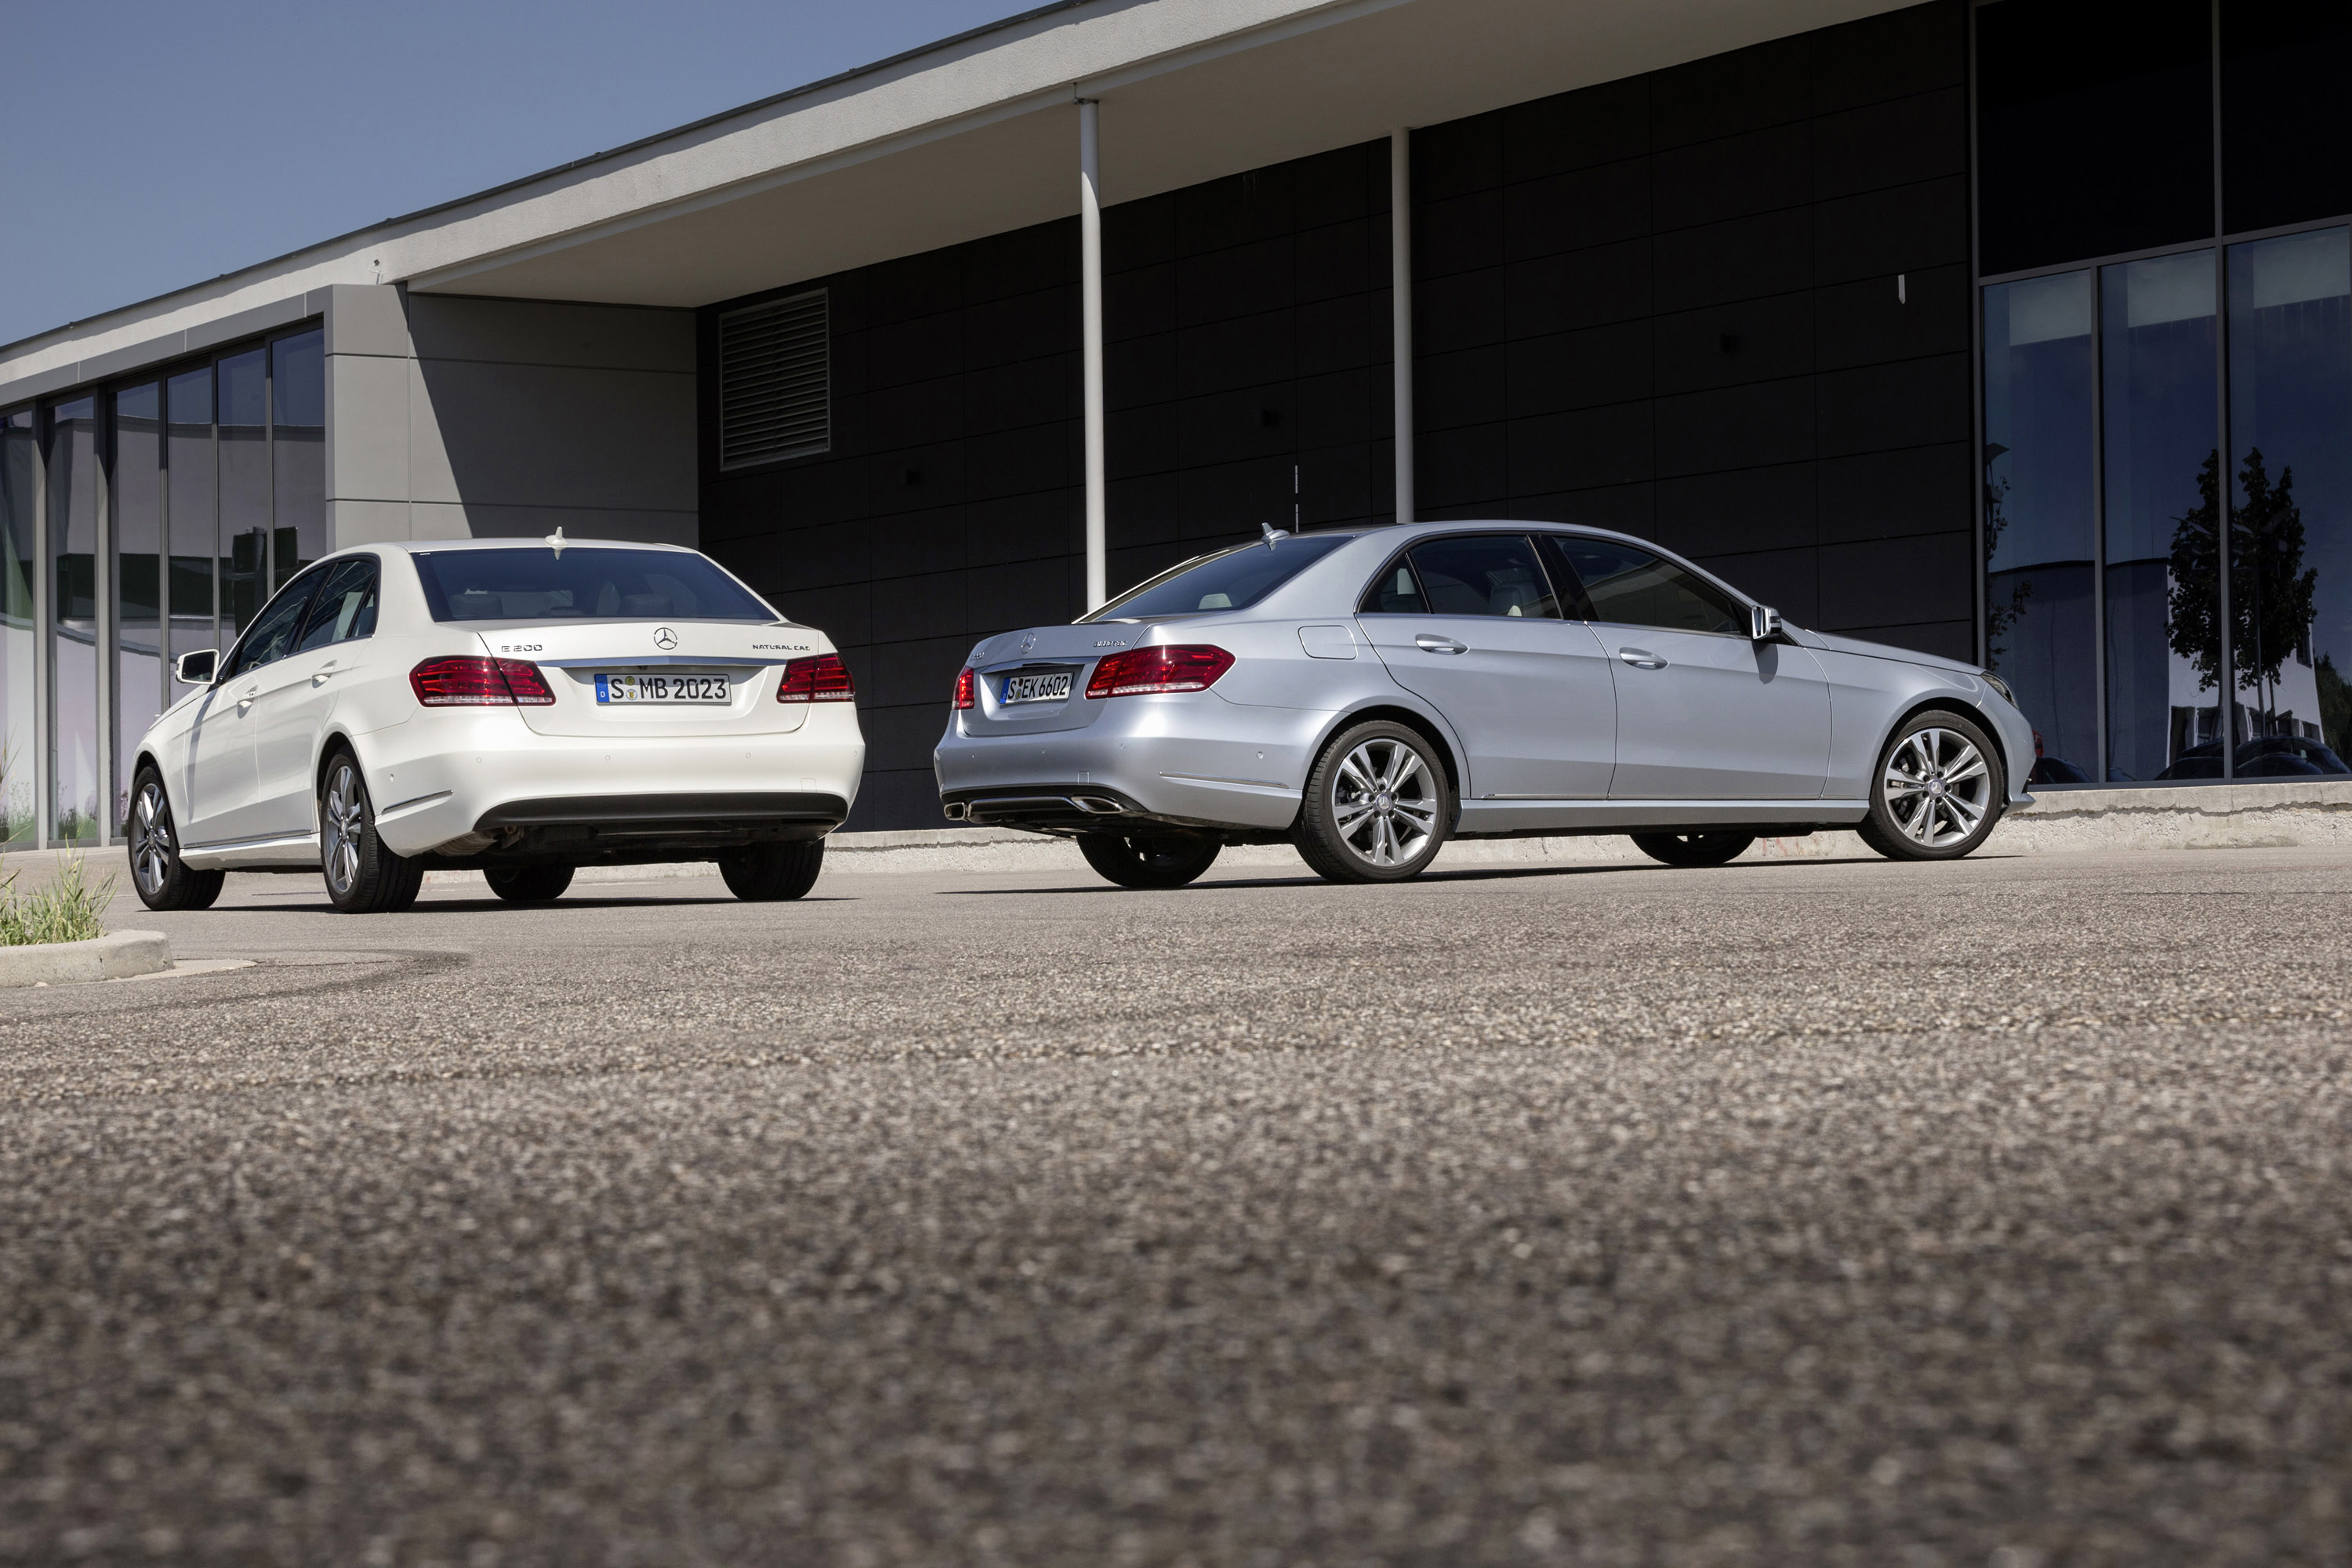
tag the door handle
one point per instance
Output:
(319, 675)
(246, 701)
(1430, 642)
(1641, 658)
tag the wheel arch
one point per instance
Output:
(1948, 701)
(336, 738)
(1427, 725)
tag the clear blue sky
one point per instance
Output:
(146, 146)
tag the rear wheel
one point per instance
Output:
(529, 884)
(163, 879)
(1693, 849)
(1939, 790)
(1377, 807)
(363, 877)
(1150, 860)
(767, 873)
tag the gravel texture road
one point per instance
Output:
(1790, 1213)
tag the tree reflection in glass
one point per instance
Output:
(2291, 502)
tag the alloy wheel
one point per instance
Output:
(1384, 801)
(346, 820)
(1937, 788)
(151, 847)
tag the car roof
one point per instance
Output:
(435, 547)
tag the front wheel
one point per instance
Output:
(1938, 791)
(1377, 808)
(1150, 860)
(1693, 849)
(363, 877)
(529, 884)
(767, 873)
(163, 881)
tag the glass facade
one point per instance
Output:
(2166, 505)
(140, 521)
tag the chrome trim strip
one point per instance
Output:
(1204, 778)
(648, 661)
(273, 841)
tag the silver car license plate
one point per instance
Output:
(710, 688)
(1050, 688)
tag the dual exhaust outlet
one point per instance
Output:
(1032, 805)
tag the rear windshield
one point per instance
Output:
(581, 584)
(1230, 580)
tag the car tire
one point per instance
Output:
(1151, 859)
(362, 877)
(162, 879)
(1693, 849)
(767, 873)
(1378, 805)
(1938, 791)
(529, 884)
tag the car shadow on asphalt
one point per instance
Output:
(1466, 874)
(317, 904)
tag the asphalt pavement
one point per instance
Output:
(1807, 1212)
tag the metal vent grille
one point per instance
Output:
(775, 381)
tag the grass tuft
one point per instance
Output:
(67, 910)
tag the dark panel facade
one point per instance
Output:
(1667, 305)
(1670, 305)
(1246, 327)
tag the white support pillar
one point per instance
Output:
(1090, 291)
(1401, 308)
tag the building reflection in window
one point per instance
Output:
(137, 495)
(2039, 514)
(73, 553)
(2159, 417)
(2291, 548)
(19, 713)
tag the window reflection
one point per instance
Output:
(136, 492)
(19, 716)
(191, 481)
(2290, 510)
(2162, 590)
(243, 454)
(2038, 509)
(73, 553)
(298, 389)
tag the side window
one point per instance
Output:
(271, 636)
(1484, 574)
(1634, 588)
(345, 607)
(1393, 593)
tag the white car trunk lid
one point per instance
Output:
(660, 661)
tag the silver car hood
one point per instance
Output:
(1880, 650)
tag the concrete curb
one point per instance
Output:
(118, 955)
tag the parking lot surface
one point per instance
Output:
(1993, 1212)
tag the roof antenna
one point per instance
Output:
(555, 542)
(1271, 533)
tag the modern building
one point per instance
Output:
(1931, 324)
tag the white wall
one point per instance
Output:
(452, 418)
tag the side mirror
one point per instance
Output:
(196, 668)
(1763, 623)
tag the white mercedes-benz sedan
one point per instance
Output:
(518, 707)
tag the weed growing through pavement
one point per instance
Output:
(67, 910)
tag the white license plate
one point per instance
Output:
(1036, 688)
(710, 689)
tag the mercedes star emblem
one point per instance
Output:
(665, 638)
(1028, 642)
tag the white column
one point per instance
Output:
(1091, 333)
(1401, 308)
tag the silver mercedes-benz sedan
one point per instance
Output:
(1367, 696)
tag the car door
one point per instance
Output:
(1704, 711)
(224, 775)
(298, 692)
(1472, 623)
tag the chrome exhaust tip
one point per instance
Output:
(954, 809)
(1096, 805)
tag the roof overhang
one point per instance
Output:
(974, 137)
